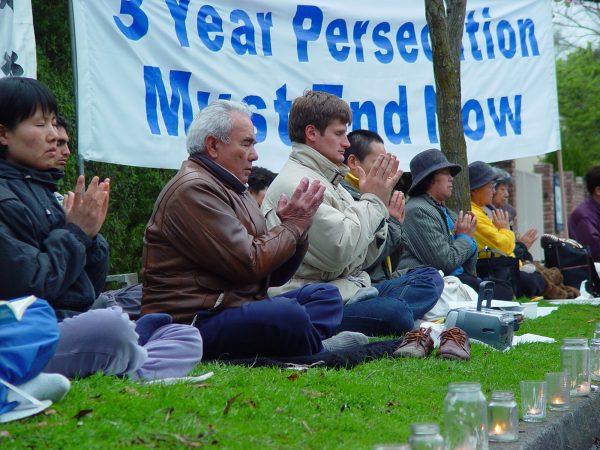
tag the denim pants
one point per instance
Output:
(401, 301)
(292, 324)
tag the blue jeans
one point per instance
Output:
(292, 324)
(401, 301)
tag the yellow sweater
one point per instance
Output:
(487, 235)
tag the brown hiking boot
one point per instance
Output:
(416, 344)
(454, 344)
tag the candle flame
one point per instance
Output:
(498, 429)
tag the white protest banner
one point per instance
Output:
(17, 40)
(145, 68)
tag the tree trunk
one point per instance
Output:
(446, 24)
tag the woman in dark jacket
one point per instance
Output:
(56, 252)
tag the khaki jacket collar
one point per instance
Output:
(309, 157)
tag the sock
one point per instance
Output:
(344, 341)
(46, 386)
(146, 325)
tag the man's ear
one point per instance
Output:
(211, 144)
(352, 162)
(310, 133)
(595, 194)
(3, 132)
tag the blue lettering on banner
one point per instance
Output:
(383, 43)
(476, 133)
(242, 38)
(360, 29)
(337, 33)
(527, 28)
(499, 119)
(505, 112)
(265, 22)
(471, 28)
(139, 20)
(259, 121)
(431, 113)
(282, 108)
(406, 37)
(205, 28)
(304, 35)
(156, 95)
(360, 110)
(179, 10)
(397, 109)
(509, 50)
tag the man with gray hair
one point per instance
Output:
(209, 259)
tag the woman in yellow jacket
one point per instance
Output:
(495, 233)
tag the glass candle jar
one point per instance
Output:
(503, 417)
(425, 436)
(465, 417)
(595, 359)
(597, 331)
(575, 356)
(533, 400)
(559, 390)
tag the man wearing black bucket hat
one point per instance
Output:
(436, 235)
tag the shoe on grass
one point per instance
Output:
(416, 344)
(454, 344)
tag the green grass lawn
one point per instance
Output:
(271, 408)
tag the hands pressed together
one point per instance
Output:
(302, 206)
(382, 177)
(500, 219)
(529, 237)
(87, 208)
(465, 224)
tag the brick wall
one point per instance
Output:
(547, 172)
(575, 190)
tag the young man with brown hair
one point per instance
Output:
(342, 238)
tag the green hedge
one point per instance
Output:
(133, 189)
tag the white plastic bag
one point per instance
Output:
(456, 294)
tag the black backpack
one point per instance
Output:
(573, 260)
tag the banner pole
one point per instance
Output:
(80, 160)
(563, 197)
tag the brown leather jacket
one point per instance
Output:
(207, 245)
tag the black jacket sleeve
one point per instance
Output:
(48, 269)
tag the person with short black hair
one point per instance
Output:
(365, 147)
(584, 222)
(59, 255)
(259, 181)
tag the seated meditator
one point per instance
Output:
(342, 240)
(435, 235)
(584, 222)
(365, 147)
(258, 182)
(495, 238)
(502, 184)
(209, 259)
(60, 256)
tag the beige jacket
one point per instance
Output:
(341, 240)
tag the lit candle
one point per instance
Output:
(558, 401)
(533, 411)
(499, 428)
